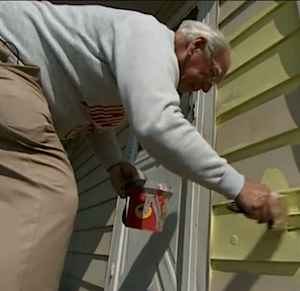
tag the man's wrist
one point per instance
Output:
(232, 183)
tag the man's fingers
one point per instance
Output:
(258, 202)
(260, 210)
(125, 175)
(279, 211)
(265, 214)
(271, 211)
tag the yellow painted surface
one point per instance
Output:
(265, 72)
(277, 117)
(265, 66)
(241, 152)
(284, 159)
(243, 243)
(274, 179)
(270, 30)
(244, 281)
(243, 105)
(228, 8)
(247, 24)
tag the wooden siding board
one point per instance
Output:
(282, 163)
(91, 163)
(226, 281)
(92, 241)
(83, 156)
(70, 283)
(248, 17)
(262, 74)
(96, 217)
(239, 153)
(86, 268)
(73, 146)
(265, 33)
(92, 174)
(97, 195)
(87, 162)
(228, 8)
(95, 177)
(282, 88)
(265, 121)
(252, 245)
(260, 135)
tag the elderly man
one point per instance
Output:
(69, 70)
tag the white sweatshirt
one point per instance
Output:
(98, 64)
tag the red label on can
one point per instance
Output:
(146, 211)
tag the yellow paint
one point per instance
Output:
(265, 66)
(263, 73)
(266, 268)
(265, 34)
(228, 9)
(240, 244)
(241, 152)
(241, 105)
(274, 179)
(251, 21)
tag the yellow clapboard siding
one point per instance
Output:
(239, 153)
(228, 8)
(277, 168)
(265, 72)
(239, 239)
(243, 281)
(272, 118)
(248, 17)
(282, 88)
(257, 268)
(265, 33)
(258, 132)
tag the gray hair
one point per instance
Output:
(216, 41)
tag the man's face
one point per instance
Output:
(199, 71)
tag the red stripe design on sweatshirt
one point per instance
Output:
(105, 115)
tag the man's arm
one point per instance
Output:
(107, 150)
(147, 76)
(145, 66)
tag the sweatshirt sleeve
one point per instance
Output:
(106, 147)
(146, 70)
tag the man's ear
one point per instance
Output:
(200, 42)
(197, 43)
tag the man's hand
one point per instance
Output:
(122, 174)
(259, 203)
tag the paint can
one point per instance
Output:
(146, 207)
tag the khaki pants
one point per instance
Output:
(38, 195)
